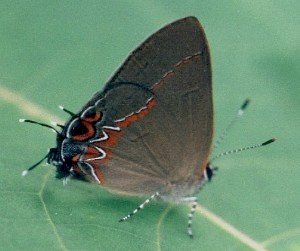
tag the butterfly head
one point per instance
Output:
(54, 157)
(62, 167)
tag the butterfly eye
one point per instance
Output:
(91, 115)
(80, 130)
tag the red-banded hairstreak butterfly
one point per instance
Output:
(149, 131)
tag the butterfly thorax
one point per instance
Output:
(62, 156)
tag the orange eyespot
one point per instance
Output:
(91, 115)
(81, 130)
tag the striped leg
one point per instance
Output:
(191, 215)
(140, 207)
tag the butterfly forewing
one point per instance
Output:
(171, 143)
(156, 115)
(160, 52)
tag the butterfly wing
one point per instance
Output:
(170, 145)
(159, 53)
(157, 114)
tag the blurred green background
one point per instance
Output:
(61, 52)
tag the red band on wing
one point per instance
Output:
(90, 131)
(99, 174)
(113, 137)
(90, 152)
(167, 76)
(128, 120)
(94, 117)
(94, 154)
(101, 151)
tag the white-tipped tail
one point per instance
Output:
(61, 107)
(24, 173)
(21, 120)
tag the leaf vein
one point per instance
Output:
(52, 224)
(239, 235)
(159, 223)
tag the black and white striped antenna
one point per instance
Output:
(238, 115)
(242, 149)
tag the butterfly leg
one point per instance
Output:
(191, 215)
(140, 207)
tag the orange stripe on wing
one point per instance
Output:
(97, 116)
(90, 153)
(137, 115)
(112, 140)
(113, 137)
(99, 174)
(89, 134)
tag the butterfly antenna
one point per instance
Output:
(66, 110)
(25, 172)
(38, 123)
(239, 114)
(56, 124)
(243, 149)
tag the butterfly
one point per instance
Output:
(149, 131)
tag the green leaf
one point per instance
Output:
(61, 52)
